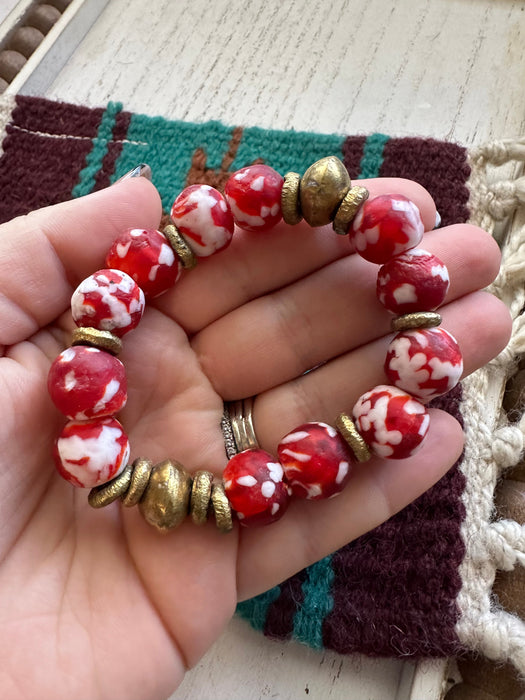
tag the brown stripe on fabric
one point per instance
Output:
(120, 131)
(36, 171)
(38, 114)
(440, 167)
(281, 613)
(352, 154)
(395, 588)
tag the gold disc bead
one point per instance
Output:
(165, 502)
(183, 251)
(103, 340)
(221, 508)
(418, 319)
(323, 187)
(346, 427)
(105, 494)
(139, 480)
(290, 201)
(348, 208)
(200, 496)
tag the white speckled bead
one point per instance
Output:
(90, 453)
(414, 281)
(426, 362)
(392, 423)
(109, 300)
(317, 461)
(204, 219)
(253, 483)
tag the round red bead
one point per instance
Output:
(108, 300)
(204, 219)
(254, 195)
(413, 281)
(426, 362)
(85, 382)
(392, 423)
(253, 482)
(90, 453)
(317, 461)
(146, 255)
(386, 226)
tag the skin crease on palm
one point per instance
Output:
(96, 604)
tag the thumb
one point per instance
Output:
(45, 254)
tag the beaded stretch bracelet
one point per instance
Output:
(87, 382)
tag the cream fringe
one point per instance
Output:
(492, 444)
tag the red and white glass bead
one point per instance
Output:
(253, 483)
(386, 226)
(416, 280)
(254, 196)
(317, 461)
(90, 453)
(392, 423)
(85, 382)
(146, 255)
(204, 219)
(426, 362)
(108, 300)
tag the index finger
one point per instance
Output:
(45, 254)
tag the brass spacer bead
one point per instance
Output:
(346, 427)
(103, 340)
(323, 187)
(139, 480)
(183, 251)
(105, 494)
(165, 502)
(354, 198)
(221, 508)
(419, 319)
(290, 202)
(200, 496)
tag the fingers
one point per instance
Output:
(280, 336)
(44, 254)
(480, 323)
(257, 263)
(311, 530)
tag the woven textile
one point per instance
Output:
(420, 584)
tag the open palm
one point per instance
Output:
(96, 604)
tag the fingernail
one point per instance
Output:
(438, 220)
(141, 170)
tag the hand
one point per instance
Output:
(97, 604)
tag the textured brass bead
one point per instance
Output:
(101, 496)
(419, 319)
(221, 508)
(323, 187)
(200, 497)
(166, 499)
(104, 340)
(139, 481)
(290, 202)
(185, 254)
(345, 425)
(348, 208)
